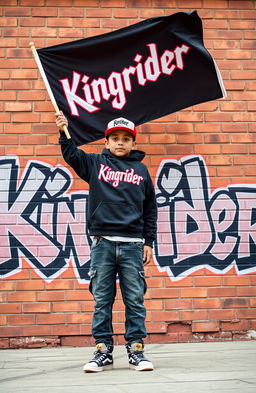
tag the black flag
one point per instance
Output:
(141, 72)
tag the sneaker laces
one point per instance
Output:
(138, 355)
(99, 355)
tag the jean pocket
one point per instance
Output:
(96, 241)
(142, 276)
(92, 274)
(139, 245)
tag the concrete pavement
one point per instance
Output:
(223, 367)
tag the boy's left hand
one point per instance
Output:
(147, 254)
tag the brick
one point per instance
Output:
(179, 149)
(189, 139)
(8, 22)
(232, 106)
(72, 12)
(66, 307)
(22, 296)
(153, 304)
(60, 284)
(235, 303)
(66, 330)
(50, 296)
(246, 314)
(246, 291)
(71, 33)
(78, 295)
(29, 285)
(33, 139)
(75, 341)
(205, 326)
(17, 128)
(190, 116)
(206, 128)
(36, 307)
(207, 303)
(11, 95)
(21, 320)
(234, 149)
(4, 343)
(164, 293)
(218, 160)
(165, 138)
(164, 316)
(207, 149)
(193, 292)
(242, 74)
(179, 128)
(18, 106)
(235, 127)
(181, 327)
(112, 3)
(10, 331)
(207, 281)
(20, 151)
(44, 11)
(79, 318)
(32, 22)
(3, 320)
(49, 319)
(193, 315)
(47, 150)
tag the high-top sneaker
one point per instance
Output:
(137, 360)
(103, 360)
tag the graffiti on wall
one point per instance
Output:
(199, 229)
(44, 223)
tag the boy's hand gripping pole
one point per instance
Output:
(48, 87)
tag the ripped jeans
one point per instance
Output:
(109, 258)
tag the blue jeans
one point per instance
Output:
(109, 258)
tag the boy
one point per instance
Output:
(121, 219)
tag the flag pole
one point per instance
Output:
(48, 87)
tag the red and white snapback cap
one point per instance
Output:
(121, 124)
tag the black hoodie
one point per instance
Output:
(122, 199)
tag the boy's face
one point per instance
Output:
(120, 143)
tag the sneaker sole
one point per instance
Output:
(141, 368)
(89, 369)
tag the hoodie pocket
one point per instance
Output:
(116, 216)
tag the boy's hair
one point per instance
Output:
(121, 124)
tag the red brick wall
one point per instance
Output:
(200, 304)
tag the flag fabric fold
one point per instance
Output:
(141, 72)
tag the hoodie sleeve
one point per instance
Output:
(80, 161)
(150, 214)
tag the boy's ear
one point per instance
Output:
(106, 142)
(134, 145)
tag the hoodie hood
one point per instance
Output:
(135, 155)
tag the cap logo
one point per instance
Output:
(121, 122)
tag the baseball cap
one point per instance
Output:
(121, 124)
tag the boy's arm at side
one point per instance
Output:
(150, 218)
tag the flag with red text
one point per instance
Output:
(141, 72)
